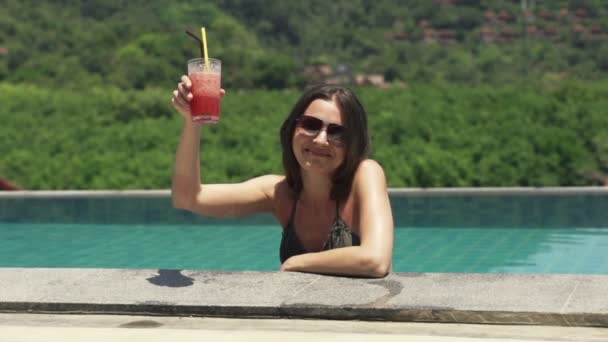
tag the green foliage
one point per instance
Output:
(131, 45)
(267, 43)
(85, 88)
(424, 136)
(514, 135)
(442, 42)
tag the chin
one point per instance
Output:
(312, 166)
(316, 166)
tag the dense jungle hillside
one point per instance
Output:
(468, 41)
(277, 44)
(459, 92)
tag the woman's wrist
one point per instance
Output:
(189, 124)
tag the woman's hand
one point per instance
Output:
(183, 95)
(288, 265)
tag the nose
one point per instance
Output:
(321, 137)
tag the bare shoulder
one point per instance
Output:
(369, 177)
(367, 169)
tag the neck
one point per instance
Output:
(316, 189)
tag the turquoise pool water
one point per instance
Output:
(531, 231)
(255, 247)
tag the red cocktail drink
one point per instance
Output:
(206, 84)
(205, 103)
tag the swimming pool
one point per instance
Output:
(487, 231)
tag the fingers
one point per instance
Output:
(185, 87)
(178, 104)
(184, 91)
(186, 81)
(178, 101)
(183, 95)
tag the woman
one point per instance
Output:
(332, 201)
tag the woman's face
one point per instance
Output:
(317, 145)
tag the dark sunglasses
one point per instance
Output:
(312, 126)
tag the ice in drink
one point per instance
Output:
(205, 76)
(205, 103)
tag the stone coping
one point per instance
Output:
(526, 299)
(399, 192)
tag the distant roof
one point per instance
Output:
(6, 185)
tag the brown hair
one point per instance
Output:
(356, 138)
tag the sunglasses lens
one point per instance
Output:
(335, 130)
(335, 133)
(311, 124)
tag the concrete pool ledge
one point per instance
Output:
(528, 299)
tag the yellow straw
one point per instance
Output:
(205, 47)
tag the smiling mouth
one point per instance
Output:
(317, 153)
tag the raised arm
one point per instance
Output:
(373, 212)
(220, 200)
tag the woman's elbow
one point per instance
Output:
(180, 201)
(380, 271)
(180, 204)
(377, 266)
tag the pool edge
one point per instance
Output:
(517, 299)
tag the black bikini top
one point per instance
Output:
(340, 236)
